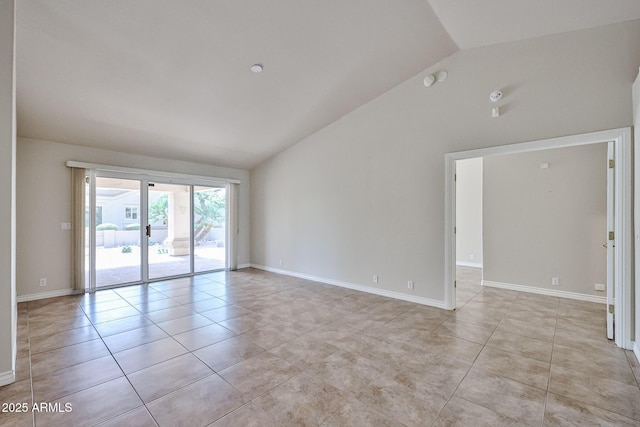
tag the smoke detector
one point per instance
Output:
(495, 96)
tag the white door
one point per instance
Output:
(454, 268)
(610, 245)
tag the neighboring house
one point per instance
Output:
(121, 208)
(117, 207)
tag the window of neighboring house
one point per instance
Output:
(131, 212)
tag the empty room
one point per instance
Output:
(381, 213)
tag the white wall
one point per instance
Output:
(44, 202)
(365, 195)
(8, 312)
(636, 290)
(469, 212)
(543, 223)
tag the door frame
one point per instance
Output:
(623, 215)
(146, 185)
(92, 202)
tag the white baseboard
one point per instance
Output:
(368, 289)
(241, 266)
(636, 350)
(7, 378)
(543, 291)
(468, 264)
(43, 295)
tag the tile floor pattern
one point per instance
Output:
(252, 348)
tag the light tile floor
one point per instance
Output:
(252, 348)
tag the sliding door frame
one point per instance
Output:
(93, 178)
(92, 230)
(145, 177)
(145, 212)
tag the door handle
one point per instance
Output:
(148, 230)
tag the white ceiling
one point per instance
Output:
(474, 23)
(171, 79)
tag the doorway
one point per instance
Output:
(469, 229)
(144, 229)
(620, 248)
(543, 219)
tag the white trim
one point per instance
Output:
(544, 144)
(635, 94)
(149, 173)
(367, 289)
(7, 378)
(545, 291)
(240, 266)
(623, 230)
(43, 295)
(468, 264)
(449, 233)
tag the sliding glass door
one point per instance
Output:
(169, 236)
(209, 228)
(117, 231)
(146, 230)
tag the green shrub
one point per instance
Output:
(106, 226)
(126, 249)
(133, 227)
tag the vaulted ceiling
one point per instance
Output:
(172, 78)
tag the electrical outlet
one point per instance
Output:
(280, 262)
(472, 257)
(600, 287)
(555, 281)
(410, 284)
(65, 226)
(43, 282)
(375, 278)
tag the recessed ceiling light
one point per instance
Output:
(257, 68)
